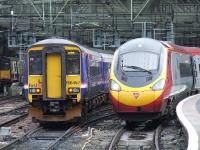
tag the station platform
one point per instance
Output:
(188, 112)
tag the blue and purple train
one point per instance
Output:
(64, 80)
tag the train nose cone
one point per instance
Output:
(136, 95)
(136, 98)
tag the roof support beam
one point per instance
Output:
(61, 10)
(36, 9)
(120, 2)
(142, 9)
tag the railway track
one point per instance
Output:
(8, 110)
(39, 138)
(137, 138)
(101, 114)
(82, 136)
(8, 99)
(167, 135)
(12, 109)
(44, 138)
(157, 137)
(13, 116)
(100, 130)
(116, 138)
(172, 136)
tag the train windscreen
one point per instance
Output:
(139, 62)
(138, 68)
(35, 63)
(72, 62)
(4, 64)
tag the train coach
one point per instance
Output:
(64, 80)
(149, 77)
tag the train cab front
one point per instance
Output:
(54, 83)
(138, 80)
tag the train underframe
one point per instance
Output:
(139, 116)
(63, 110)
(54, 110)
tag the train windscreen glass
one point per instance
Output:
(4, 64)
(35, 63)
(139, 62)
(72, 62)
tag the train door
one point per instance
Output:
(54, 82)
(196, 70)
(53, 75)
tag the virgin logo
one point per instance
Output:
(136, 95)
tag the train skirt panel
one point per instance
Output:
(67, 114)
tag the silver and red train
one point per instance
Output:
(149, 77)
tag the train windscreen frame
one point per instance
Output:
(35, 63)
(139, 61)
(72, 63)
(137, 76)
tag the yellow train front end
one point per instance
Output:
(139, 80)
(5, 75)
(54, 83)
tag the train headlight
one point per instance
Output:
(159, 85)
(74, 90)
(34, 90)
(114, 86)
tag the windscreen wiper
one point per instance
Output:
(138, 68)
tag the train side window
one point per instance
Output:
(35, 63)
(72, 62)
(185, 69)
(95, 70)
(185, 65)
(106, 72)
(199, 67)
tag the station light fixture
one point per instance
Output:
(12, 12)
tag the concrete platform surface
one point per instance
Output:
(188, 112)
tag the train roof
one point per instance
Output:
(66, 42)
(144, 43)
(54, 41)
(107, 57)
(183, 49)
(155, 44)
